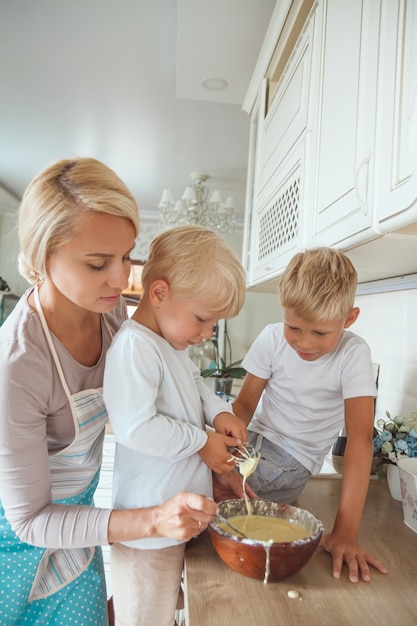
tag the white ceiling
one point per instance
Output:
(119, 80)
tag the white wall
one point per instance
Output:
(388, 323)
(258, 311)
(9, 248)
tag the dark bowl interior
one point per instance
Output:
(258, 559)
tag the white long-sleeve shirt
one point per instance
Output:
(158, 407)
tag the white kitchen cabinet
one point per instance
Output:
(277, 228)
(336, 150)
(248, 244)
(279, 147)
(344, 143)
(287, 107)
(396, 141)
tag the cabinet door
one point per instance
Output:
(283, 140)
(396, 181)
(257, 117)
(287, 117)
(344, 153)
(277, 227)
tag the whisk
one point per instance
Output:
(246, 458)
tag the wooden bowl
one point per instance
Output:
(259, 559)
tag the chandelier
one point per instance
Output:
(198, 206)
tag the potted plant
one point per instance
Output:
(223, 372)
(224, 375)
(396, 439)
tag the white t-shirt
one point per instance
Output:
(302, 406)
(158, 408)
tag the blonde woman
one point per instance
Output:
(78, 224)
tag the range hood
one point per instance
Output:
(394, 254)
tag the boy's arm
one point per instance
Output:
(248, 397)
(342, 542)
(230, 486)
(231, 425)
(246, 402)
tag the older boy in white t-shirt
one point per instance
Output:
(307, 378)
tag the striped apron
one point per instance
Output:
(62, 586)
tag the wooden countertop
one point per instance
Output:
(215, 595)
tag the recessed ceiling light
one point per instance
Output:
(214, 84)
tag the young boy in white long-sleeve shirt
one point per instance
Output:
(159, 407)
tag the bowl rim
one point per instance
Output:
(297, 542)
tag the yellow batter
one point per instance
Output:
(263, 528)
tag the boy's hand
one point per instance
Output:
(216, 453)
(345, 550)
(231, 425)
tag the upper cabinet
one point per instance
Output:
(344, 138)
(333, 150)
(396, 142)
(279, 144)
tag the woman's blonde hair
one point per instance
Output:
(56, 197)
(319, 284)
(197, 263)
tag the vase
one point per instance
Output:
(407, 468)
(393, 480)
(338, 453)
(223, 385)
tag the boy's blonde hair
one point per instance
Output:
(56, 197)
(319, 284)
(197, 263)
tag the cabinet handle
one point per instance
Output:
(364, 164)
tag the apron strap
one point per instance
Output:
(51, 343)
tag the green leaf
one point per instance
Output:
(233, 370)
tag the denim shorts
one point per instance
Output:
(279, 476)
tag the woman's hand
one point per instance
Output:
(182, 517)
